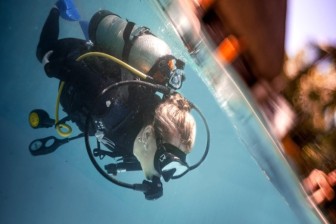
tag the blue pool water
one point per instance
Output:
(64, 187)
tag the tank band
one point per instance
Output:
(128, 42)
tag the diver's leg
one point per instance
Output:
(49, 34)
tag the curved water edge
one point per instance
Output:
(235, 99)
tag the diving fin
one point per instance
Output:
(68, 10)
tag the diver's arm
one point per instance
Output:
(54, 69)
(69, 70)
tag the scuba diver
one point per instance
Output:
(141, 120)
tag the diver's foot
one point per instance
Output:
(68, 10)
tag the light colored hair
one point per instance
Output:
(173, 118)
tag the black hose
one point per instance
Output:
(207, 147)
(137, 187)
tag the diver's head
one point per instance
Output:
(161, 146)
(173, 122)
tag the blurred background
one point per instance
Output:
(284, 51)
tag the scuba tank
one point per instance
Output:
(136, 46)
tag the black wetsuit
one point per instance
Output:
(118, 117)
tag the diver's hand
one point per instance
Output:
(155, 189)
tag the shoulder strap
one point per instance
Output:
(130, 37)
(128, 43)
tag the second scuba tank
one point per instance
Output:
(126, 41)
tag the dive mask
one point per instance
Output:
(170, 161)
(168, 71)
